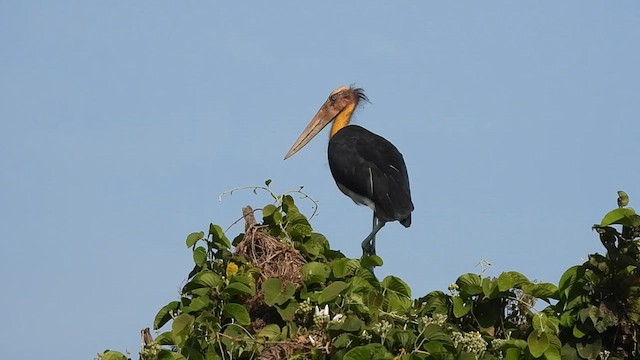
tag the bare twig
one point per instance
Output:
(248, 216)
(145, 337)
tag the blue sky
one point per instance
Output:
(122, 122)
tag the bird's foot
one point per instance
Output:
(368, 249)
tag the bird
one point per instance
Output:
(366, 167)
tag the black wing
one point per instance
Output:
(371, 167)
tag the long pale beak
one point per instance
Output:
(324, 116)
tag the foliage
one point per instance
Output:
(235, 306)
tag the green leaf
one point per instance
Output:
(379, 351)
(181, 323)
(538, 343)
(403, 337)
(373, 300)
(370, 261)
(165, 354)
(618, 216)
(332, 291)
(270, 332)
(553, 325)
(113, 355)
(436, 347)
(315, 246)
(600, 264)
(367, 275)
(165, 338)
(435, 302)
(288, 312)
(238, 288)
(268, 211)
(512, 354)
(539, 322)
(275, 219)
(511, 279)
(590, 348)
(219, 239)
(289, 331)
(344, 340)
(241, 285)
(206, 317)
(435, 332)
(623, 199)
(469, 284)
(207, 278)
(590, 312)
(396, 284)
(568, 278)
(297, 225)
(552, 353)
(315, 272)
(238, 312)
(197, 291)
(288, 203)
(568, 352)
(234, 336)
(352, 324)
(193, 238)
(360, 285)
(244, 279)
(200, 256)
(460, 309)
(577, 331)
(343, 267)
(554, 349)
(544, 291)
(212, 354)
(191, 353)
(358, 353)
(567, 319)
(164, 315)
(181, 328)
(275, 292)
(465, 355)
(514, 343)
(396, 302)
(197, 304)
(490, 289)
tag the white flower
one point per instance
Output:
(313, 342)
(321, 317)
(324, 312)
(337, 317)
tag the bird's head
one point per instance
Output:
(338, 108)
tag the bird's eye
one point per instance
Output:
(333, 97)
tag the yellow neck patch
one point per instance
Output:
(342, 119)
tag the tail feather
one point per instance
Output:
(406, 221)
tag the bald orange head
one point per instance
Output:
(338, 108)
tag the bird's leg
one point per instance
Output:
(368, 244)
(373, 228)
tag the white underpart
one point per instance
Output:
(358, 199)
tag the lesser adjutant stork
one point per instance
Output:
(366, 167)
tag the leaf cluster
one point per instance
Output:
(334, 307)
